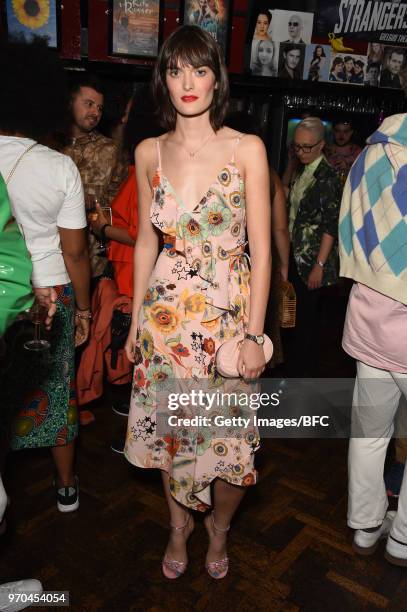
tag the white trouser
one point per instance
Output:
(3, 499)
(375, 401)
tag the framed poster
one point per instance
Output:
(213, 16)
(33, 18)
(135, 27)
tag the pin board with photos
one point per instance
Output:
(329, 45)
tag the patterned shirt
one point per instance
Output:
(317, 214)
(102, 172)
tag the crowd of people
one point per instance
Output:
(138, 264)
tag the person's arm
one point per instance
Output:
(120, 234)
(279, 224)
(330, 205)
(253, 158)
(146, 249)
(76, 258)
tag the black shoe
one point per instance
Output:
(122, 409)
(68, 497)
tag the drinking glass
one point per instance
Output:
(37, 315)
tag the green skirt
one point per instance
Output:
(41, 386)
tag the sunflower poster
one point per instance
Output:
(30, 18)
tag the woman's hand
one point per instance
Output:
(82, 326)
(315, 277)
(251, 362)
(131, 344)
(98, 219)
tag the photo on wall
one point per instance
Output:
(260, 49)
(348, 69)
(213, 16)
(262, 58)
(316, 63)
(35, 18)
(291, 61)
(393, 67)
(292, 26)
(375, 56)
(135, 27)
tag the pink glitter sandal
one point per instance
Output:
(218, 569)
(173, 569)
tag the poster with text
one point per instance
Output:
(135, 27)
(368, 20)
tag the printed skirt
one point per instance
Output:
(40, 386)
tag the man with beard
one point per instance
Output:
(101, 166)
(343, 151)
(97, 157)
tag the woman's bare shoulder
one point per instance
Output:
(146, 149)
(251, 146)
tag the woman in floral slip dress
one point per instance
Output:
(196, 295)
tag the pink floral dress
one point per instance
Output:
(197, 297)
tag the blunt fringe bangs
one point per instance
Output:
(190, 46)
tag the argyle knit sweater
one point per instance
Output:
(373, 216)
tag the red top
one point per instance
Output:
(125, 215)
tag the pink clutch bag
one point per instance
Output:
(228, 354)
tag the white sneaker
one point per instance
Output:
(396, 552)
(365, 542)
(26, 587)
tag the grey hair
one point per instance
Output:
(313, 124)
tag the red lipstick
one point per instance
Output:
(189, 98)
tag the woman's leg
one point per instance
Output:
(179, 516)
(227, 498)
(64, 459)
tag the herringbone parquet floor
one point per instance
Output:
(289, 546)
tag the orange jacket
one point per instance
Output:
(125, 215)
(89, 379)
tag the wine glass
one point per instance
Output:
(37, 315)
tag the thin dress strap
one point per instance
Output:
(238, 139)
(158, 154)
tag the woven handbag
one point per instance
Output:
(288, 305)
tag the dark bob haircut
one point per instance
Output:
(190, 46)
(34, 94)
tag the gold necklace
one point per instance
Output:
(205, 142)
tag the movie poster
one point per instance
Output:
(210, 15)
(35, 18)
(376, 20)
(135, 27)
